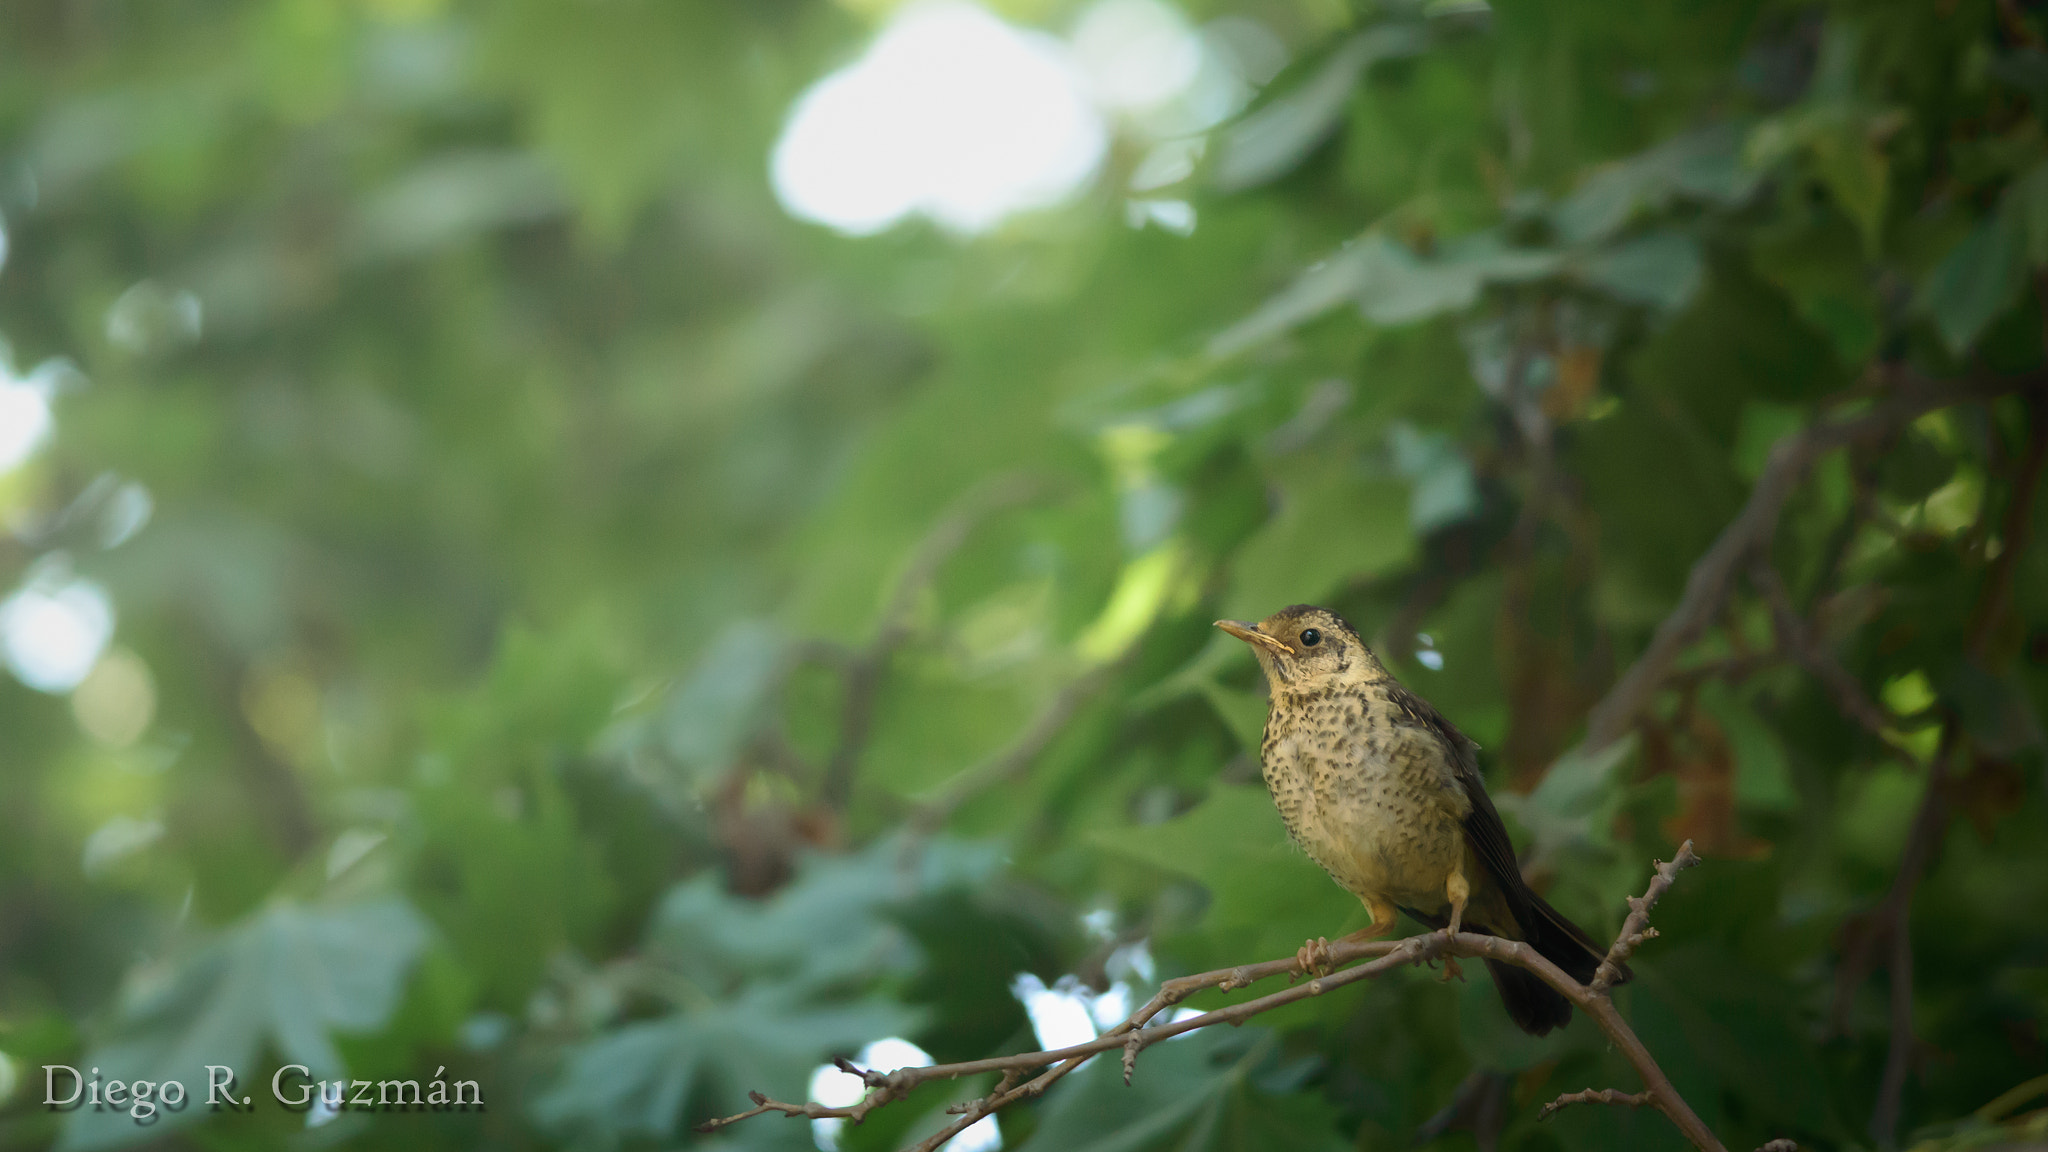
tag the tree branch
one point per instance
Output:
(1707, 585)
(1613, 1096)
(1138, 1031)
(1930, 821)
(1799, 640)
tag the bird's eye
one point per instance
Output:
(1310, 637)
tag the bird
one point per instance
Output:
(1383, 792)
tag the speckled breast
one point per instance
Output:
(1365, 796)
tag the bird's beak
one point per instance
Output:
(1250, 634)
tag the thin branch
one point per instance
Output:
(1140, 1030)
(1894, 920)
(1614, 1096)
(1636, 930)
(1707, 585)
(1799, 640)
(864, 668)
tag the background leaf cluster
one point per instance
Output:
(625, 646)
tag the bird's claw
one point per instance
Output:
(1451, 971)
(1313, 957)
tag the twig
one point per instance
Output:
(1138, 1031)
(864, 668)
(1636, 930)
(1930, 821)
(1614, 1096)
(1799, 640)
(1707, 585)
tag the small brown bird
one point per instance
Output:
(1386, 795)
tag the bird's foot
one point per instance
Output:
(1451, 970)
(1313, 958)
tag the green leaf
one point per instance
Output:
(713, 712)
(1194, 1093)
(1397, 287)
(1274, 138)
(1857, 172)
(1702, 165)
(1316, 292)
(1763, 772)
(718, 939)
(1445, 490)
(1243, 712)
(1823, 269)
(1266, 897)
(1334, 526)
(452, 198)
(287, 977)
(1391, 285)
(1663, 269)
(643, 1078)
(1570, 806)
(1762, 425)
(1978, 280)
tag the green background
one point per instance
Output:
(573, 588)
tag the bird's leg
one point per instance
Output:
(1459, 891)
(1313, 957)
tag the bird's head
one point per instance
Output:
(1306, 646)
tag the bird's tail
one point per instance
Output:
(1534, 1006)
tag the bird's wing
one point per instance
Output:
(1483, 829)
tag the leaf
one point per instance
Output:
(1704, 165)
(1567, 808)
(451, 198)
(640, 1079)
(1192, 1093)
(285, 978)
(1763, 772)
(1852, 163)
(713, 712)
(1334, 526)
(1399, 288)
(718, 939)
(1266, 897)
(1978, 279)
(1391, 285)
(1322, 288)
(1663, 269)
(1274, 138)
(1822, 269)
(1243, 712)
(1762, 425)
(1445, 489)
(1395, 287)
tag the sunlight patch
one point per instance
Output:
(951, 113)
(53, 630)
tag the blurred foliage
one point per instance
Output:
(596, 635)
